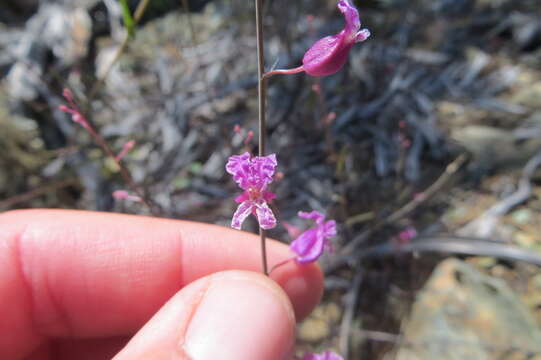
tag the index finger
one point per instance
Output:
(88, 274)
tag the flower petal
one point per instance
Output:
(243, 211)
(236, 166)
(268, 196)
(362, 35)
(353, 23)
(326, 56)
(252, 173)
(329, 229)
(308, 246)
(263, 169)
(242, 197)
(317, 216)
(264, 215)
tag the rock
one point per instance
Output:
(529, 96)
(319, 324)
(53, 29)
(12, 9)
(493, 147)
(464, 314)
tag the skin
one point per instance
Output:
(88, 285)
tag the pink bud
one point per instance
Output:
(124, 195)
(330, 118)
(249, 137)
(125, 149)
(68, 94)
(120, 194)
(65, 109)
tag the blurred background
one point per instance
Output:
(425, 147)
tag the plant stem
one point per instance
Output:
(139, 12)
(261, 108)
(124, 172)
(283, 72)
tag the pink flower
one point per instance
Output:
(253, 175)
(310, 244)
(327, 355)
(329, 54)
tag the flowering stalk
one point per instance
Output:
(261, 93)
(80, 119)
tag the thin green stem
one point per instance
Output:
(139, 12)
(261, 93)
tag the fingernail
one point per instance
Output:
(241, 316)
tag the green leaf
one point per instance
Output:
(129, 23)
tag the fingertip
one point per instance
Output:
(229, 315)
(243, 315)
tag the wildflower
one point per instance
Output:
(310, 244)
(253, 175)
(327, 355)
(329, 54)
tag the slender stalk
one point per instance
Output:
(283, 72)
(124, 172)
(261, 93)
(80, 119)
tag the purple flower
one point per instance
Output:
(327, 355)
(310, 244)
(329, 54)
(253, 175)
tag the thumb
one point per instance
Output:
(229, 315)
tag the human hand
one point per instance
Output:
(78, 285)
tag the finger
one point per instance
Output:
(230, 315)
(87, 274)
(80, 349)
